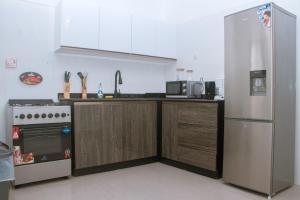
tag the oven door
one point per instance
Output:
(41, 143)
(176, 88)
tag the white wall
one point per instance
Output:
(199, 44)
(27, 33)
(200, 33)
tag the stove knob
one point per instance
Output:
(44, 115)
(50, 115)
(22, 116)
(63, 115)
(29, 116)
(36, 116)
(56, 115)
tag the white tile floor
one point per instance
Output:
(148, 182)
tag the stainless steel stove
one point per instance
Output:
(40, 135)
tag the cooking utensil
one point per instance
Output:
(85, 74)
(67, 85)
(83, 78)
(80, 76)
(67, 76)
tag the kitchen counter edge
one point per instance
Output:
(72, 100)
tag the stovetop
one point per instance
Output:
(38, 111)
(31, 102)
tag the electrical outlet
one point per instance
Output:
(11, 62)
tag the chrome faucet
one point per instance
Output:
(116, 93)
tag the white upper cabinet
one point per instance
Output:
(166, 40)
(153, 37)
(143, 36)
(86, 25)
(115, 31)
(79, 24)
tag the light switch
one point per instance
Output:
(11, 62)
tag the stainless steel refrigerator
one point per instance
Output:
(260, 99)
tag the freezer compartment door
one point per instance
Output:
(248, 67)
(248, 154)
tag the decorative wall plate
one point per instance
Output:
(31, 78)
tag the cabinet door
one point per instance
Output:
(79, 24)
(169, 128)
(115, 31)
(143, 36)
(139, 125)
(247, 148)
(98, 134)
(166, 40)
(111, 132)
(190, 133)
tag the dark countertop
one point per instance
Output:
(137, 99)
(75, 97)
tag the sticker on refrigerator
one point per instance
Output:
(264, 14)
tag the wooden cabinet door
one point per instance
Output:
(190, 133)
(98, 134)
(111, 132)
(139, 125)
(169, 128)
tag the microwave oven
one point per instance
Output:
(184, 89)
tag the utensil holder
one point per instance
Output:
(66, 90)
(84, 90)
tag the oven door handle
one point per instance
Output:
(42, 132)
(44, 128)
(31, 138)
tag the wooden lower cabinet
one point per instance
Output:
(112, 132)
(190, 134)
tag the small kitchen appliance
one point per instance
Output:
(184, 89)
(39, 132)
(210, 89)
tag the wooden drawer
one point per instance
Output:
(197, 137)
(196, 157)
(192, 134)
(204, 114)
